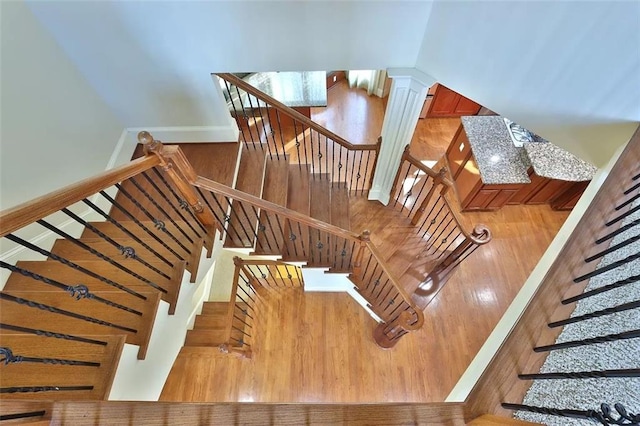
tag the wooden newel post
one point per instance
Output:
(387, 335)
(183, 176)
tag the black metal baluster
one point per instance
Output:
(46, 333)
(604, 416)
(434, 220)
(629, 201)
(100, 255)
(595, 314)
(268, 132)
(55, 310)
(225, 221)
(295, 131)
(280, 275)
(183, 205)
(333, 162)
(371, 279)
(239, 221)
(594, 340)
(246, 117)
(25, 415)
(78, 292)
(366, 174)
(340, 164)
(613, 248)
(160, 209)
(346, 172)
(126, 231)
(603, 289)
(424, 183)
(596, 374)
(245, 292)
(284, 150)
(353, 168)
(255, 124)
(313, 158)
(128, 252)
(10, 358)
(623, 215)
(180, 201)
(618, 231)
(303, 244)
(150, 217)
(439, 242)
(326, 157)
(440, 223)
(235, 110)
(633, 188)
(75, 266)
(609, 267)
(158, 223)
(451, 241)
(304, 142)
(33, 389)
(291, 237)
(401, 185)
(359, 174)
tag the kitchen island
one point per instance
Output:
(489, 171)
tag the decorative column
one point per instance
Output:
(408, 92)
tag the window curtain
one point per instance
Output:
(370, 80)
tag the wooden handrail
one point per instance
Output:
(26, 213)
(219, 188)
(295, 114)
(478, 229)
(376, 254)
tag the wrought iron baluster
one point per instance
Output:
(584, 342)
(159, 208)
(608, 311)
(141, 225)
(304, 143)
(596, 374)
(100, 255)
(55, 310)
(281, 134)
(255, 124)
(25, 415)
(182, 203)
(613, 248)
(604, 416)
(10, 358)
(46, 333)
(603, 289)
(618, 231)
(75, 266)
(623, 215)
(313, 157)
(366, 173)
(240, 221)
(633, 188)
(29, 389)
(78, 292)
(326, 157)
(246, 116)
(359, 174)
(353, 168)
(150, 217)
(235, 110)
(295, 131)
(128, 252)
(401, 185)
(433, 220)
(127, 231)
(609, 267)
(629, 201)
(340, 164)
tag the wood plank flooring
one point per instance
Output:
(318, 347)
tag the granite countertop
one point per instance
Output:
(501, 162)
(294, 89)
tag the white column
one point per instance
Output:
(408, 91)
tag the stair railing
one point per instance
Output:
(266, 122)
(308, 238)
(607, 232)
(420, 193)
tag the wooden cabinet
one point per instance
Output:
(333, 77)
(447, 103)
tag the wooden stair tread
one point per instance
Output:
(114, 231)
(341, 249)
(40, 374)
(43, 319)
(66, 274)
(205, 337)
(271, 239)
(214, 308)
(244, 219)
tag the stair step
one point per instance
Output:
(68, 275)
(270, 234)
(205, 337)
(244, 218)
(298, 199)
(114, 231)
(340, 218)
(211, 322)
(139, 326)
(72, 251)
(27, 374)
(319, 242)
(214, 308)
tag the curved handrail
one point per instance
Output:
(295, 114)
(26, 213)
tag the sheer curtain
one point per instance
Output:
(370, 80)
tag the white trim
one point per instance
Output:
(190, 134)
(510, 318)
(115, 155)
(376, 193)
(413, 73)
(379, 93)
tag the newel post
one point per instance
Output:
(386, 335)
(182, 174)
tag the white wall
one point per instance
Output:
(150, 61)
(568, 70)
(55, 129)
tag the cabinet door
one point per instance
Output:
(458, 153)
(501, 198)
(466, 107)
(483, 199)
(444, 102)
(547, 192)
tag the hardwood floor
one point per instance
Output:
(317, 347)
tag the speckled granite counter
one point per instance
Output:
(550, 161)
(500, 162)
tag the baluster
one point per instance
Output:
(25, 415)
(181, 202)
(595, 314)
(604, 416)
(630, 372)
(623, 215)
(52, 334)
(633, 188)
(313, 157)
(396, 179)
(618, 231)
(375, 163)
(304, 140)
(100, 255)
(366, 170)
(295, 131)
(584, 342)
(284, 150)
(603, 289)
(33, 389)
(629, 201)
(127, 231)
(256, 125)
(75, 266)
(11, 358)
(609, 267)
(235, 111)
(613, 248)
(127, 252)
(434, 220)
(246, 117)
(340, 164)
(158, 223)
(77, 292)
(425, 202)
(326, 158)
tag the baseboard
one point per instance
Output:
(187, 134)
(378, 194)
